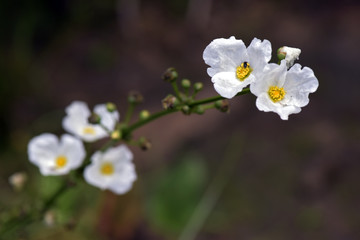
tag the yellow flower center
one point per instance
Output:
(243, 71)
(276, 94)
(60, 161)
(89, 130)
(107, 168)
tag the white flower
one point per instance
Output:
(282, 91)
(55, 157)
(233, 66)
(291, 54)
(76, 121)
(17, 180)
(112, 169)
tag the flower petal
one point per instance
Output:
(42, 148)
(224, 55)
(227, 85)
(108, 119)
(264, 103)
(73, 149)
(259, 53)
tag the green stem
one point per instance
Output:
(168, 111)
(129, 113)
(149, 119)
(176, 90)
(214, 99)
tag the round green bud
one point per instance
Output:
(222, 105)
(199, 110)
(116, 135)
(186, 110)
(281, 54)
(185, 83)
(198, 86)
(170, 75)
(144, 114)
(111, 107)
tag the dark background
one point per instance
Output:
(295, 179)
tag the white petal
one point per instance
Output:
(274, 75)
(42, 147)
(93, 176)
(108, 119)
(73, 149)
(227, 85)
(299, 84)
(120, 153)
(264, 103)
(122, 182)
(292, 54)
(224, 55)
(78, 108)
(259, 53)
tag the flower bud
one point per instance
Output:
(222, 105)
(144, 143)
(289, 54)
(111, 107)
(169, 102)
(199, 110)
(94, 118)
(144, 114)
(49, 218)
(186, 110)
(198, 86)
(116, 135)
(170, 75)
(135, 97)
(185, 83)
(17, 180)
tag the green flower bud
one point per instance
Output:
(135, 97)
(185, 83)
(144, 143)
(198, 86)
(94, 118)
(144, 114)
(170, 75)
(186, 110)
(223, 105)
(199, 110)
(281, 54)
(116, 135)
(170, 102)
(111, 107)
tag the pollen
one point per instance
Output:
(243, 71)
(276, 94)
(89, 130)
(107, 169)
(60, 161)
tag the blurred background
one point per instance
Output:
(274, 179)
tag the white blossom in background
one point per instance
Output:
(76, 121)
(284, 91)
(54, 156)
(233, 66)
(17, 180)
(291, 54)
(112, 170)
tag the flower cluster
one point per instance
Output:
(112, 169)
(281, 88)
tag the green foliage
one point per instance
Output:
(176, 192)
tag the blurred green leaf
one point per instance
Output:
(176, 193)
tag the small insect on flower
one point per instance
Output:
(233, 66)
